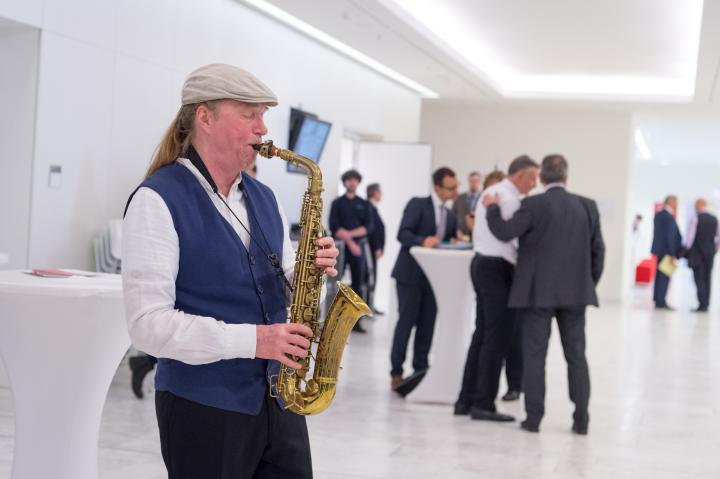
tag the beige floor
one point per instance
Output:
(655, 412)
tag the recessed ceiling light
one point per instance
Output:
(309, 30)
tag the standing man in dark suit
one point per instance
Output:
(666, 242)
(425, 222)
(464, 206)
(376, 242)
(351, 220)
(702, 241)
(560, 260)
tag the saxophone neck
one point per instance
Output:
(312, 170)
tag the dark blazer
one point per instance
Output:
(461, 208)
(666, 236)
(561, 252)
(418, 222)
(376, 238)
(702, 251)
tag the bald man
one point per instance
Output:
(702, 243)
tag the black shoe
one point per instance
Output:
(410, 383)
(529, 427)
(358, 328)
(511, 395)
(485, 415)
(461, 409)
(140, 367)
(700, 310)
(580, 426)
(664, 306)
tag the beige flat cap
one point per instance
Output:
(218, 81)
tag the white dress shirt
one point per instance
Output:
(484, 242)
(150, 266)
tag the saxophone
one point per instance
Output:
(300, 394)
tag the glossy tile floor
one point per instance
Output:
(655, 413)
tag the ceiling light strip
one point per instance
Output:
(339, 46)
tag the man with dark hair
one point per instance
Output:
(351, 220)
(666, 242)
(426, 222)
(492, 273)
(702, 242)
(560, 260)
(376, 242)
(464, 205)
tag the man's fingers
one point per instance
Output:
(288, 362)
(297, 340)
(296, 328)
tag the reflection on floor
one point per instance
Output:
(655, 413)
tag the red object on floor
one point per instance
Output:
(645, 271)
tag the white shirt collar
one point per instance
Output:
(558, 184)
(437, 202)
(188, 164)
(510, 186)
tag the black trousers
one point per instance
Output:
(536, 334)
(201, 442)
(703, 272)
(495, 277)
(661, 286)
(358, 269)
(469, 382)
(513, 361)
(417, 309)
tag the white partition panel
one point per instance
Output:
(403, 171)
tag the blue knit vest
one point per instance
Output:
(219, 277)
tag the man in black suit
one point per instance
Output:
(560, 260)
(666, 242)
(464, 206)
(351, 220)
(425, 222)
(376, 242)
(703, 240)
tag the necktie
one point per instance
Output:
(472, 201)
(442, 222)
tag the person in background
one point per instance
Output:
(492, 271)
(560, 260)
(351, 221)
(376, 242)
(703, 240)
(426, 222)
(666, 242)
(207, 265)
(464, 206)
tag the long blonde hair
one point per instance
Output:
(177, 137)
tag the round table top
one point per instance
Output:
(85, 283)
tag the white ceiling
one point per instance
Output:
(613, 50)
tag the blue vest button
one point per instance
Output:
(267, 318)
(252, 259)
(260, 289)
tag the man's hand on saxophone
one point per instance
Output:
(326, 255)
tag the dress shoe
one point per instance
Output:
(700, 310)
(140, 367)
(529, 427)
(485, 415)
(511, 396)
(461, 408)
(395, 381)
(408, 384)
(664, 306)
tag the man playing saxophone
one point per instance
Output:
(207, 262)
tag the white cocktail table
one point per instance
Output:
(61, 340)
(449, 275)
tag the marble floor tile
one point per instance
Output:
(655, 413)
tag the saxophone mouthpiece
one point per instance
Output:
(257, 146)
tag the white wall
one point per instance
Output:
(109, 85)
(596, 143)
(18, 91)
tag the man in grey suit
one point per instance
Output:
(560, 260)
(464, 206)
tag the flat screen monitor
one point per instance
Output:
(311, 138)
